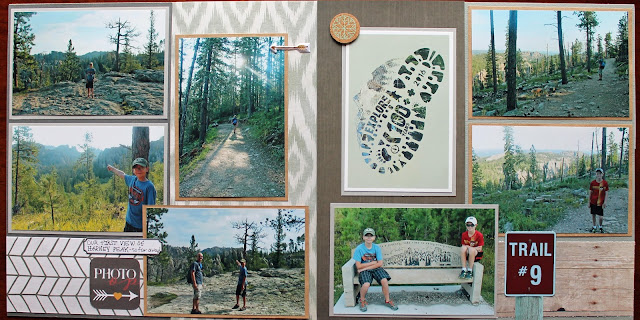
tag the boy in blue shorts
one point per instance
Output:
(368, 257)
(141, 192)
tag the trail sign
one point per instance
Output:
(530, 263)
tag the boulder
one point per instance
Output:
(148, 75)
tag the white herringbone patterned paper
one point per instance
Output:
(50, 275)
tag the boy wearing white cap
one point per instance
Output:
(471, 250)
(368, 257)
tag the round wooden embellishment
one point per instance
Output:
(345, 28)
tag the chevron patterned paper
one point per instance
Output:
(297, 19)
(50, 275)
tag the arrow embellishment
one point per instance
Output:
(302, 48)
(101, 295)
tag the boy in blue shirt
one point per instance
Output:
(241, 288)
(141, 192)
(368, 257)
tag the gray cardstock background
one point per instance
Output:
(410, 14)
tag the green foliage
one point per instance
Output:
(268, 127)
(187, 164)
(67, 219)
(70, 69)
(509, 166)
(622, 41)
(443, 225)
(151, 47)
(24, 65)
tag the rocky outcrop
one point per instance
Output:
(140, 93)
(279, 292)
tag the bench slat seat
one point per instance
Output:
(412, 262)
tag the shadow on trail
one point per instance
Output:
(237, 166)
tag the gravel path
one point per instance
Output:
(236, 166)
(616, 215)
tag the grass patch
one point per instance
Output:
(188, 164)
(100, 220)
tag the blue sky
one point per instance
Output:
(103, 136)
(535, 29)
(212, 226)
(87, 28)
(542, 137)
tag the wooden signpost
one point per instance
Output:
(530, 270)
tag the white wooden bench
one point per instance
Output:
(417, 262)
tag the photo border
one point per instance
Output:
(631, 203)
(348, 128)
(176, 119)
(91, 6)
(629, 8)
(8, 200)
(307, 267)
(334, 206)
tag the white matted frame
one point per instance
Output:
(78, 23)
(398, 105)
(454, 216)
(52, 135)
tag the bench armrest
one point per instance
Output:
(349, 271)
(350, 290)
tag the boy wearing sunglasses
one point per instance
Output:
(471, 250)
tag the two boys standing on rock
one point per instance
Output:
(197, 277)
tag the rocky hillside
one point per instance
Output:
(270, 292)
(140, 93)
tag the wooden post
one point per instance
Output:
(529, 308)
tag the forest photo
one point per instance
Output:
(540, 176)
(443, 225)
(270, 240)
(88, 62)
(231, 132)
(60, 181)
(547, 63)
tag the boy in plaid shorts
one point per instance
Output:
(368, 257)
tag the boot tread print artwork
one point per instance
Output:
(398, 109)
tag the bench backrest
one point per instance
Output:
(419, 254)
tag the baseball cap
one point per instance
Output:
(600, 169)
(368, 230)
(141, 162)
(472, 220)
(243, 260)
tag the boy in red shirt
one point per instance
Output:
(597, 196)
(471, 250)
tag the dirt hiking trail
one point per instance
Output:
(616, 215)
(588, 98)
(237, 166)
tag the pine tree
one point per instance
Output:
(476, 173)
(588, 23)
(509, 165)
(23, 41)
(70, 69)
(622, 41)
(609, 48)
(151, 47)
(24, 157)
(532, 174)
